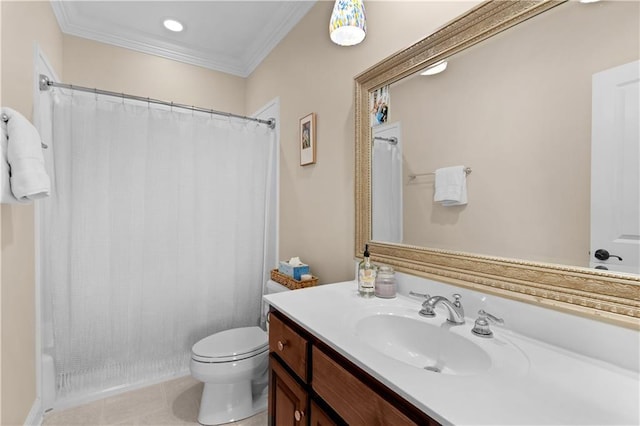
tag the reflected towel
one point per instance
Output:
(28, 178)
(451, 186)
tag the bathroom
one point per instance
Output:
(306, 72)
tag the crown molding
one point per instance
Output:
(267, 42)
(243, 67)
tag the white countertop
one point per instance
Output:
(556, 386)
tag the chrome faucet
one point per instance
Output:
(456, 312)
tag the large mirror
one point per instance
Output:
(526, 110)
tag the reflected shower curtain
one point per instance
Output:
(386, 192)
(153, 237)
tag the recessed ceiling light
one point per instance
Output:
(173, 25)
(589, 1)
(436, 68)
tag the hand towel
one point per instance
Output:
(28, 178)
(6, 196)
(451, 186)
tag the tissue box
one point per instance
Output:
(293, 271)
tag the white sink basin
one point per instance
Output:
(430, 347)
(436, 346)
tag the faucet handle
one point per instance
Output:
(481, 327)
(493, 318)
(456, 300)
(427, 309)
(424, 295)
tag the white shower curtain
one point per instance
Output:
(386, 192)
(152, 239)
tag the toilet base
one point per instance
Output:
(225, 403)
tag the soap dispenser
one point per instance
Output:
(367, 272)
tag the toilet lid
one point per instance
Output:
(237, 342)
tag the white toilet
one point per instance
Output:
(233, 365)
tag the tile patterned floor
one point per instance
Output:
(175, 402)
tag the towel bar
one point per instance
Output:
(467, 171)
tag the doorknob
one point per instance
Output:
(602, 254)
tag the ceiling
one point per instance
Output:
(227, 36)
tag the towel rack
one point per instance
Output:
(467, 171)
(392, 140)
(5, 119)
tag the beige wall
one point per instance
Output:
(23, 24)
(91, 64)
(311, 74)
(517, 110)
(306, 71)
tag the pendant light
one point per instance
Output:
(348, 23)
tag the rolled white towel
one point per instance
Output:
(29, 179)
(6, 196)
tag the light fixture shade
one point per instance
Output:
(173, 25)
(436, 68)
(348, 23)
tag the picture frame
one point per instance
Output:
(379, 102)
(307, 139)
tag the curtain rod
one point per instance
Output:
(45, 83)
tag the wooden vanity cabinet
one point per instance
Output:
(288, 400)
(311, 384)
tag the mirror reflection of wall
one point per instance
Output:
(517, 110)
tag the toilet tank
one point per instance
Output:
(269, 288)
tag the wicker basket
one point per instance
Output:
(290, 282)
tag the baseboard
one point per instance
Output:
(77, 400)
(34, 418)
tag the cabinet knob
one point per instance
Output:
(281, 345)
(298, 415)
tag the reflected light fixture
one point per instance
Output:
(436, 68)
(173, 25)
(348, 24)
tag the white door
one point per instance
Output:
(615, 165)
(386, 183)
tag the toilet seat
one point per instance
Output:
(231, 345)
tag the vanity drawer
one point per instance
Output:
(289, 346)
(353, 400)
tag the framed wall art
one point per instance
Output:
(308, 139)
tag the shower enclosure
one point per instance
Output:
(159, 231)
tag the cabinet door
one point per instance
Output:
(319, 417)
(288, 401)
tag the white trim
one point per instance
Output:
(76, 401)
(266, 112)
(242, 67)
(265, 43)
(272, 110)
(40, 62)
(35, 416)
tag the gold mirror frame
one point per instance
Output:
(598, 295)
